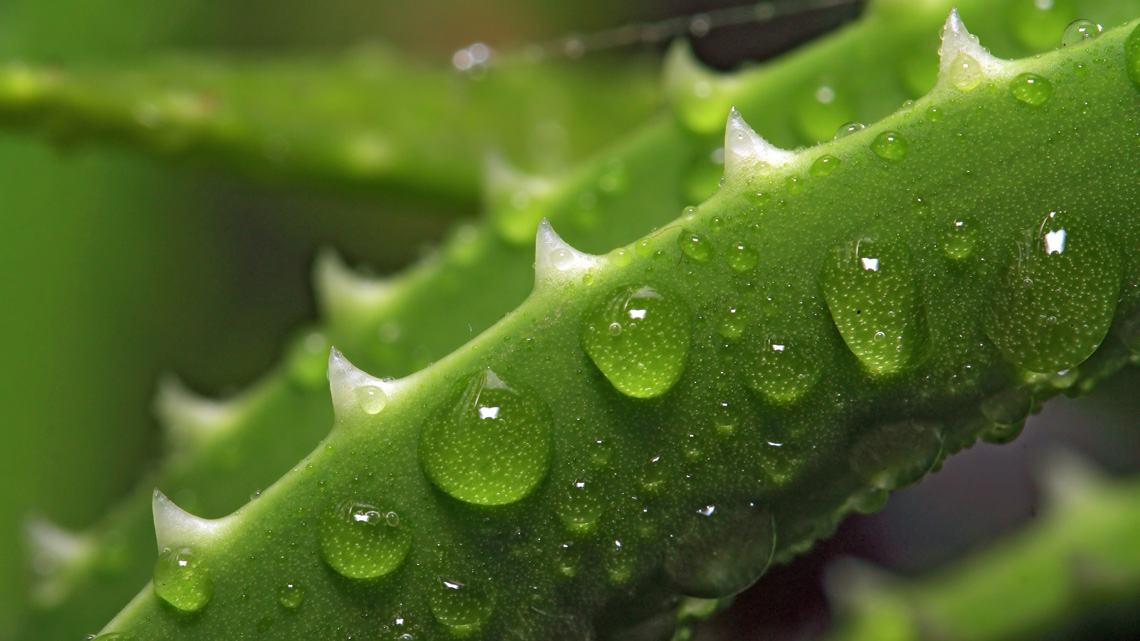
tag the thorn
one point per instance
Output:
(682, 69)
(850, 580)
(745, 150)
(514, 198)
(963, 62)
(1066, 476)
(554, 258)
(353, 390)
(174, 526)
(187, 417)
(57, 557)
(342, 291)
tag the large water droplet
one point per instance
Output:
(371, 398)
(890, 145)
(461, 602)
(1037, 319)
(489, 444)
(182, 579)
(895, 455)
(1031, 89)
(849, 128)
(695, 247)
(782, 370)
(1079, 32)
(1036, 23)
(649, 355)
(579, 505)
(966, 72)
(824, 165)
(722, 550)
(741, 257)
(291, 596)
(961, 238)
(357, 541)
(875, 303)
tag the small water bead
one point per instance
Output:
(601, 452)
(620, 257)
(783, 370)
(1034, 318)
(795, 185)
(741, 257)
(1079, 32)
(716, 224)
(566, 560)
(579, 505)
(849, 128)
(722, 550)
(960, 238)
(1031, 89)
(875, 303)
(619, 562)
(291, 596)
(370, 398)
(892, 456)
(966, 72)
(934, 114)
(1036, 23)
(649, 355)
(357, 541)
(695, 247)
(824, 165)
(652, 475)
(461, 603)
(182, 579)
(1008, 407)
(890, 145)
(489, 444)
(732, 323)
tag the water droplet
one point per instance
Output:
(1062, 256)
(895, 455)
(461, 603)
(614, 329)
(291, 596)
(371, 398)
(961, 238)
(722, 551)
(934, 114)
(795, 185)
(716, 224)
(890, 145)
(1031, 89)
(1002, 434)
(695, 247)
(782, 370)
(619, 562)
(966, 72)
(182, 579)
(308, 360)
(868, 501)
(920, 207)
(566, 560)
(358, 543)
(601, 453)
(869, 290)
(1036, 23)
(1008, 407)
(652, 475)
(848, 129)
(579, 505)
(489, 444)
(650, 354)
(1132, 57)
(741, 257)
(732, 323)
(1079, 32)
(620, 257)
(824, 165)
(820, 110)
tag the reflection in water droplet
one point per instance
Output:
(358, 543)
(182, 579)
(890, 145)
(489, 443)
(647, 358)
(1034, 319)
(722, 550)
(875, 303)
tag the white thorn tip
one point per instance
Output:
(187, 416)
(342, 290)
(174, 526)
(745, 150)
(554, 257)
(962, 58)
(353, 389)
(57, 558)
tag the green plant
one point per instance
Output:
(809, 338)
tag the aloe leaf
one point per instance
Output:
(403, 517)
(372, 119)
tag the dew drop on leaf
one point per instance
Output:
(358, 543)
(890, 145)
(1079, 32)
(1132, 57)
(370, 398)
(579, 505)
(1035, 317)
(824, 165)
(695, 247)
(966, 72)
(961, 238)
(182, 579)
(868, 501)
(875, 303)
(649, 355)
(782, 370)
(849, 128)
(1008, 407)
(895, 455)
(291, 596)
(1031, 89)
(721, 550)
(461, 602)
(741, 257)
(489, 443)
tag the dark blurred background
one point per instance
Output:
(117, 269)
